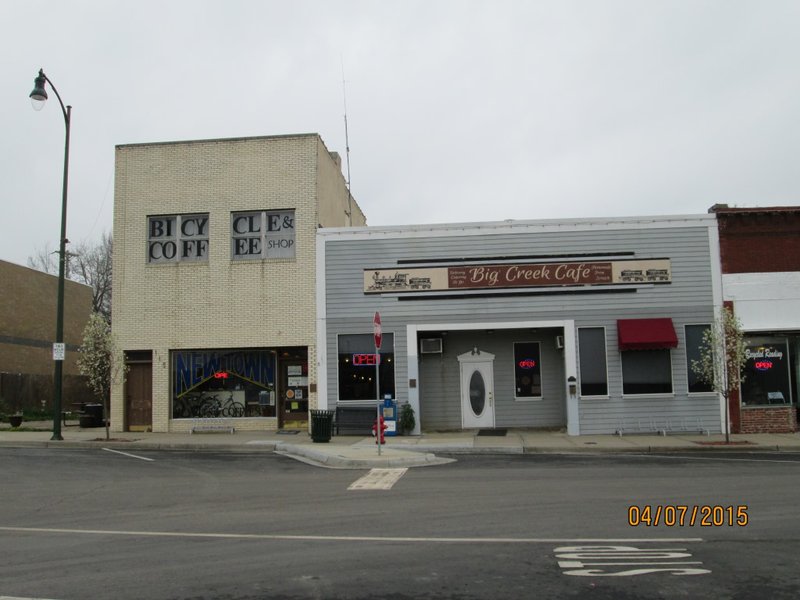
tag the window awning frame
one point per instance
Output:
(646, 334)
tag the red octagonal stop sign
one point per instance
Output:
(376, 329)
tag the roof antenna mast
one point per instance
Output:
(347, 152)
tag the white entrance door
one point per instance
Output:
(477, 389)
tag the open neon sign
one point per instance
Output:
(221, 375)
(527, 363)
(364, 360)
(763, 365)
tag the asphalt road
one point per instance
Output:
(172, 525)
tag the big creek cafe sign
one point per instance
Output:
(519, 275)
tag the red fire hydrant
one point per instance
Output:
(383, 427)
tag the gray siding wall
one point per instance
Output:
(688, 299)
(439, 375)
(632, 413)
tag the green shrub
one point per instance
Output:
(406, 421)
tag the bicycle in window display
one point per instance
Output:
(212, 407)
(206, 406)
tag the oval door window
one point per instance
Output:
(477, 393)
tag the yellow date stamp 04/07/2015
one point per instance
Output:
(680, 515)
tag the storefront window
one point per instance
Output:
(357, 367)
(223, 383)
(694, 343)
(766, 371)
(592, 349)
(527, 370)
(646, 372)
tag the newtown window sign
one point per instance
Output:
(518, 275)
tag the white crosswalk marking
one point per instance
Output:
(378, 479)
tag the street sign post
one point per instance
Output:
(377, 332)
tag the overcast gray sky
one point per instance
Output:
(457, 110)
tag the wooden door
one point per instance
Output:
(139, 397)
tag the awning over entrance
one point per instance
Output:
(646, 334)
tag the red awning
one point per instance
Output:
(646, 334)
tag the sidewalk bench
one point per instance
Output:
(211, 426)
(354, 420)
(661, 427)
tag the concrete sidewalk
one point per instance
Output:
(355, 452)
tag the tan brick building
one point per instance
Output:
(214, 279)
(28, 330)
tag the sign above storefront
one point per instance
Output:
(175, 238)
(519, 275)
(262, 234)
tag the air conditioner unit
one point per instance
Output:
(430, 346)
(560, 342)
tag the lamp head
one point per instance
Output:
(39, 94)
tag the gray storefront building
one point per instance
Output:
(587, 325)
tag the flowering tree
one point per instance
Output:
(722, 358)
(100, 360)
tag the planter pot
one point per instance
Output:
(15, 420)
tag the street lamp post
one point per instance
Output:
(38, 97)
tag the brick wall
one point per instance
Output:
(769, 419)
(28, 320)
(759, 240)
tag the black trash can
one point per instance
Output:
(321, 425)
(92, 415)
